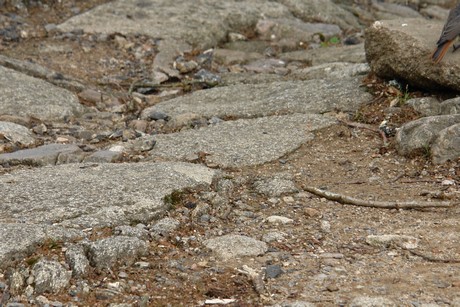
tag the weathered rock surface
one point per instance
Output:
(276, 219)
(20, 239)
(450, 106)
(247, 142)
(103, 156)
(164, 226)
(318, 56)
(96, 195)
(51, 154)
(293, 30)
(76, 258)
(275, 185)
(447, 145)
(71, 195)
(407, 242)
(426, 106)
(17, 134)
(321, 10)
(313, 96)
(295, 304)
(104, 253)
(37, 71)
(25, 96)
(256, 124)
(394, 10)
(215, 19)
(420, 134)
(231, 246)
(338, 71)
(50, 276)
(128, 231)
(401, 48)
(364, 301)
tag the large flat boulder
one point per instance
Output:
(179, 26)
(256, 100)
(201, 25)
(18, 240)
(91, 195)
(23, 95)
(241, 142)
(401, 49)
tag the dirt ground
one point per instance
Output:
(324, 254)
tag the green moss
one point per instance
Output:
(175, 198)
(32, 260)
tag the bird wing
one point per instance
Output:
(452, 27)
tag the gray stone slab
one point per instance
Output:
(255, 100)
(76, 258)
(363, 301)
(322, 10)
(400, 49)
(106, 252)
(103, 156)
(318, 56)
(294, 30)
(179, 25)
(231, 246)
(50, 154)
(242, 142)
(17, 133)
(450, 106)
(419, 135)
(18, 240)
(201, 25)
(275, 185)
(447, 145)
(337, 70)
(23, 95)
(41, 72)
(95, 195)
(50, 276)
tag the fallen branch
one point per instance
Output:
(343, 199)
(432, 258)
(421, 181)
(367, 127)
(256, 278)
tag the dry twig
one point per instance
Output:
(256, 278)
(343, 199)
(367, 127)
(432, 258)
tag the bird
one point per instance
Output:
(449, 32)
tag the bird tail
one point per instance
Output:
(440, 52)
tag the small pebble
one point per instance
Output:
(332, 255)
(325, 226)
(310, 212)
(332, 288)
(279, 219)
(273, 271)
(288, 199)
(142, 264)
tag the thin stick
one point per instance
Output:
(420, 181)
(376, 204)
(431, 258)
(367, 127)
